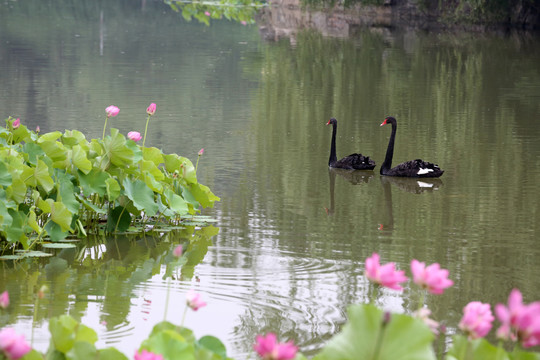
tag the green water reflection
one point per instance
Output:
(106, 271)
(289, 254)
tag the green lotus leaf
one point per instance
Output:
(35, 254)
(74, 137)
(5, 176)
(45, 205)
(188, 170)
(61, 215)
(367, 333)
(137, 150)
(42, 176)
(170, 344)
(203, 195)
(5, 217)
(32, 222)
(11, 257)
(80, 160)
(93, 182)
(172, 162)
(54, 150)
(153, 154)
(151, 182)
(213, 344)
(82, 350)
(18, 189)
(113, 189)
(51, 136)
(141, 195)
(21, 134)
(66, 190)
(15, 232)
(111, 354)
(58, 245)
(119, 219)
(478, 349)
(176, 202)
(33, 152)
(151, 168)
(116, 150)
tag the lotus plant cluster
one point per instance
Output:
(370, 332)
(55, 184)
(520, 323)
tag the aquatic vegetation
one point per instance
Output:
(370, 333)
(242, 11)
(57, 184)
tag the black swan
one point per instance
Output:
(414, 168)
(351, 162)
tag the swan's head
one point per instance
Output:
(332, 121)
(389, 120)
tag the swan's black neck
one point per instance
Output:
(333, 156)
(387, 164)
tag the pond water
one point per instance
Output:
(287, 252)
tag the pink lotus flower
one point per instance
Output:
(112, 111)
(4, 300)
(385, 275)
(423, 314)
(519, 321)
(201, 152)
(194, 300)
(269, 349)
(147, 355)
(14, 346)
(243, 22)
(207, 13)
(37, 129)
(134, 135)
(432, 278)
(151, 110)
(177, 251)
(16, 123)
(477, 319)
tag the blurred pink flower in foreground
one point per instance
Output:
(194, 300)
(151, 110)
(477, 319)
(519, 321)
(147, 355)
(269, 349)
(432, 277)
(112, 111)
(243, 22)
(13, 345)
(16, 123)
(423, 314)
(201, 152)
(177, 251)
(207, 13)
(385, 275)
(4, 300)
(134, 135)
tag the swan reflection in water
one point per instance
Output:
(353, 176)
(411, 185)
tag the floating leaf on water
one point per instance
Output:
(58, 246)
(194, 223)
(11, 257)
(69, 240)
(31, 253)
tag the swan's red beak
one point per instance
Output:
(384, 122)
(328, 123)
